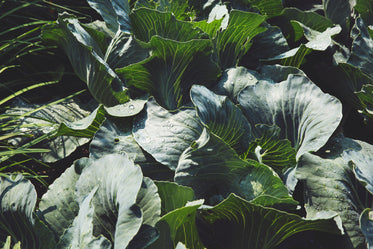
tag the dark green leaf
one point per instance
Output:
(237, 223)
(234, 42)
(330, 185)
(214, 170)
(17, 217)
(171, 71)
(147, 23)
(87, 60)
(86, 127)
(173, 196)
(222, 118)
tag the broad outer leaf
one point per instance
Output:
(172, 69)
(113, 140)
(361, 156)
(234, 80)
(58, 207)
(173, 196)
(165, 135)
(266, 45)
(182, 226)
(234, 42)
(119, 140)
(306, 115)
(147, 23)
(124, 50)
(222, 118)
(339, 11)
(362, 48)
(330, 185)
(114, 12)
(87, 59)
(237, 223)
(116, 214)
(80, 234)
(214, 170)
(17, 217)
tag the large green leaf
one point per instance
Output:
(306, 115)
(266, 45)
(80, 234)
(117, 215)
(124, 50)
(147, 23)
(172, 69)
(182, 226)
(165, 135)
(234, 41)
(214, 170)
(237, 223)
(173, 196)
(114, 12)
(222, 118)
(339, 11)
(310, 19)
(362, 48)
(330, 184)
(58, 207)
(17, 217)
(234, 80)
(87, 60)
(118, 139)
(359, 155)
(270, 150)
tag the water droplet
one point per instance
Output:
(232, 83)
(131, 107)
(251, 78)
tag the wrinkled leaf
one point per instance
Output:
(307, 116)
(214, 170)
(80, 234)
(58, 207)
(330, 185)
(165, 135)
(222, 118)
(237, 223)
(362, 48)
(171, 71)
(87, 60)
(147, 23)
(17, 217)
(116, 214)
(234, 42)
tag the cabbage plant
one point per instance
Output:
(217, 125)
